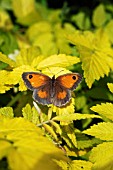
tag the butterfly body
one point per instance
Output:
(53, 90)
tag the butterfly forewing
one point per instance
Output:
(34, 80)
(70, 80)
(51, 91)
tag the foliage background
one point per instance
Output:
(73, 36)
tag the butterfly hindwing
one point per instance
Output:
(61, 95)
(48, 90)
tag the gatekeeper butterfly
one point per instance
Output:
(56, 91)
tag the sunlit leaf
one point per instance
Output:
(103, 131)
(6, 60)
(74, 116)
(60, 60)
(50, 130)
(105, 109)
(27, 145)
(5, 20)
(102, 156)
(95, 52)
(68, 109)
(27, 55)
(22, 8)
(75, 165)
(7, 112)
(80, 164)
(51, 34)
(110, 86)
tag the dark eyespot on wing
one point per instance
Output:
(34, 80)
(69, 81)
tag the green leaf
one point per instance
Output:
(103, 131)
(100, 93)
(81, 20)
(80, 102)
(95, 52)
(109, 30)
(74, 116)
(105, 109)
(9, 42)
(85, 142)
(7, 112)
(110, 86)
(102, 156)
(99, 15)
(25, 142)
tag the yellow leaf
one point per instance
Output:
(74, 116)
(102, 156)
(80, 164)
(60, 60)
(103, 131)
(95, 52)
(22, 8)
(57, 126)
(51, 37)
(27, 55)
(110, 86)
(5, 21)
(9, 79)
(105, 109)
(26, 147)
(7, 60)
(34, 30)
(30, 114)
(68, 109)
(75, 165)
(5, 146)
(7, 111)
(50, 130)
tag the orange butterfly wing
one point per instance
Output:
(40, 85)
(34, 80)
(63, 86)
(69, 81)
(56, 91)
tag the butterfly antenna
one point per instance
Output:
(59, 71)
(50, 71)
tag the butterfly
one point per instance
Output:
(46, 90)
